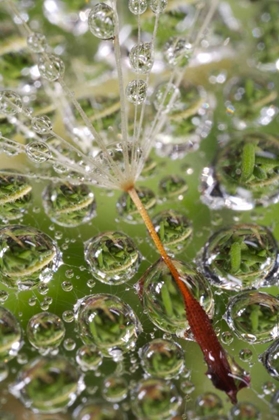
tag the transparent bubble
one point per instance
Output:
(41, 124)
(270, 359)
(141, 58)
(89, 358)
(101, 21)
(164, 303)
(155, 399)
(51, 67)
(115, 388)
(48, 384)
(45, 331)
(108, 322)
(15, 196)
(158, 6)
(28, 257)
(37, 42)
(166, 97)
(241, 257)
(96, 410)
(246, 355)
(174, 229)
(172, 186)
(253, 316)
(162, 358)
(68, 316)
(67, 286)
(10, 102)
(38, 151)
(127, 209)
(136, 91)
(113, 257)
(244, 411)
(209, 404)
(10, 335)
(69, 205)
(177, 52)
(137, 7)
(69, 344)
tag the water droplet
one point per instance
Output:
(174, 229)
(10, 335)
(3, 296)
(244, 411)
(101, 21)
(162, 358)
(10, 102)
(253, 316)
(270, 359)
(137, 7)
(141, 58)
(15, 196)
(158, 6)
(69, 344)
(41, 124)
(89, 358)
(177, 52)
(4, 372)
(48, 384)
(172, 186)
(98, 411)
(91, 283)
(187, 387)
(208, 404)
(166, 97)
(227, 337)
(246, 355)
(28, 257)
(32, 301)
(112, 257)
(136, 91)
(155, 399)
(67, 286)
(164, 303)
(51, 67)
(43, 289)
(37, 42)
(69, 205)
(114, 388)
(45, 331)
(268, 388)
(68, 316)
(240, 257)
(127, 209)
(108, 322)
(38, 151)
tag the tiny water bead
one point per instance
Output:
(15, 196)
(171, 186)
(158, 6)
(98, 410)
(245, 173)
(253, 316)
(136, 91)
(162, 300)
(51, 67)
(10, 335)
(69, 205)
(48, 384)
(28, 257)
(174, 229)
(270, 359)
(246, 355)
(242, 256)
(162, 358)
(45, 331)
(137, 7)
(127, 209)
(209, 404)
(108, 322)
(37, 42)
(38, 151)
(101, 21)
(42, 124)
(177, 52)
(10, 102)
(155, 399)
(115, 388)
(112, 257)
(141, 58)
(89, 357)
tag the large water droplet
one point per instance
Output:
(136, 91)
(240, 257)
(155, 399)
(127, 209)
(137, 7)
(69, 205)
(253, 316)
(270, 359)
(115, 388)
(112, 257)
(164, 303)
(10, 102)
(89, 357)
(37, 42)
(101, 21)
(108, 322)
(41, 124)
(48, 384)
(51, 67)
(95, 410)
(45, 331)
(141, 58)
(244, 411)
(177, 52)
(38, 151)
(10, 335)
(162, 358)
(172, 186)
(158, 6)
(28, 256)
(209, 404)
